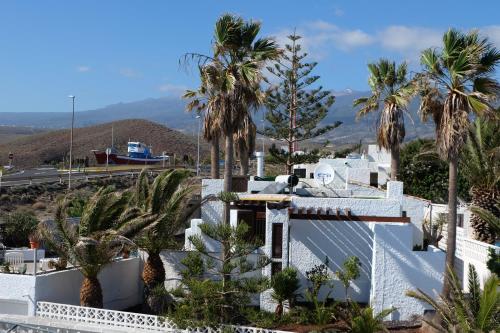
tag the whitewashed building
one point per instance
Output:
(336, 221)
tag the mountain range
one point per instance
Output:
(170, 111)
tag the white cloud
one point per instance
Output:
(338, 12)
(83, 69)
(409, 40)
(493, 33)
(172, 89)
(129, 72)
(321, 37)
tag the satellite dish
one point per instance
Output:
(323, 174)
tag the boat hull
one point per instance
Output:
(100, 157)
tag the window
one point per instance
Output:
(403, 214)
(256, 222)
(374, 179)
(277, 240)
(460, 220)
(301, 173)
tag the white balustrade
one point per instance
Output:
(130, 320)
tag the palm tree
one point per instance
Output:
(205, 99)
(481, 165)
(389, 84)
(235, 72)
(161, 208)
(456, 82)
(244, 140)
(476, 312)
(92, 244)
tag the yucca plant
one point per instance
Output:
(457, 81)
(94, 242)
(477, 311)
(389, 85)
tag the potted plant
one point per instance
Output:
(34, 239)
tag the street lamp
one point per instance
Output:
(71, 142)
(198, 157)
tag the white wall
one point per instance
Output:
(120, 282)
(17, 294)
(312, 241)
(415, 208)
(396, 269)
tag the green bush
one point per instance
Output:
(285, 285)
(17, 227)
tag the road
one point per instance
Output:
(52, 175)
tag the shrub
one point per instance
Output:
(38, 205)
(285, 285)
(349, 273)
(17, 228)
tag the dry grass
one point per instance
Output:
(52, 146)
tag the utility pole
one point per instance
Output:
(71, 142)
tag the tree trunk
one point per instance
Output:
(244, 160)
(395, 163)
(289, 162)
(214, 158)
(153, 273)
(91, 293)
(228, 173)
(451, 229)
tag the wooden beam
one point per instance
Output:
(355, 218)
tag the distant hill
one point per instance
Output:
(170, 111)
(9, 133)
(52, 146)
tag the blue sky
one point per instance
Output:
(114, 51)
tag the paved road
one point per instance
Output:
(52, 175)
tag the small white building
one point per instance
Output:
(370, 168)
(302, 229)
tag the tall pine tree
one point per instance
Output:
(295, 106)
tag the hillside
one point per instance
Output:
(54, 145)
(9, 133)
(170, 111)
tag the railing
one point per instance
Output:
(123, 319)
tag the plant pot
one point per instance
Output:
(34, 244)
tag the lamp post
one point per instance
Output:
(198, 155)
(71, 142)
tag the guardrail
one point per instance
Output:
(112, 318)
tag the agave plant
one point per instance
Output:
(93, 243)
(477, 311)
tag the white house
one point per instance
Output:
(304, 228)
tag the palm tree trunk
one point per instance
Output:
(153, 272)
(214, 158)
(486, 199)
(244, 160)
(451, 239)
(228, 173)
(395, 163)
(91, 293)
